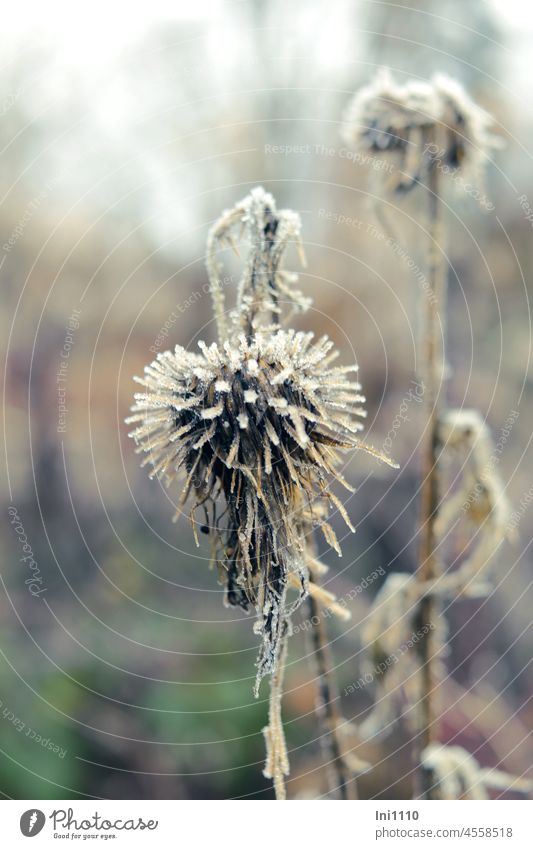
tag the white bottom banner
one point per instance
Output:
(238, 824)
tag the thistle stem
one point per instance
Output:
(428, 567)
(277, 761)
(340, 778)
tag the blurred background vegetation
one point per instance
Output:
(123, 135)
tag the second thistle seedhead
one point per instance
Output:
(417, 124)
(256, 423)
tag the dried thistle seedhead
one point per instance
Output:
(256, 423)
(257, 428)
(418, 124)
(462, 429)
(390, 620)
(265, 287)
(456, 774)
(465, 129)
(388, 116)
(480, 497)
(393, 618)
(392, 639)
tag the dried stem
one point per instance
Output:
(216, 287)
(341, 778)
(428, 562)
(277, 760)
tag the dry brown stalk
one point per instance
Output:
(428, 569)
(340, 777)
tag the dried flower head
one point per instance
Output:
(479, 498)
(257, 426)
(392, 638)
(393, 619)
(265, 286)
(465, 130)
(456, 774)
(256, 423)
(418, 124)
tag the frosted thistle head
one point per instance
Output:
(464, 434)
(456, 774)
(392, 638)
(255, 423)
(479, 496)
(418, 125)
